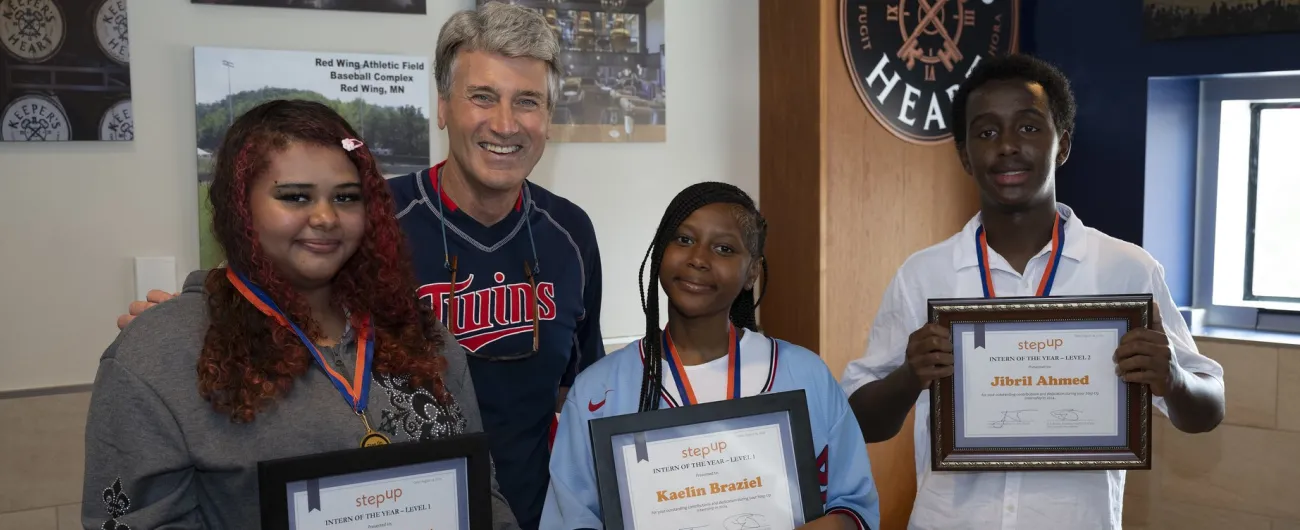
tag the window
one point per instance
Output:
(1247, 235)
(1273, 204)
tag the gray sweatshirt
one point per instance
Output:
(159, 457)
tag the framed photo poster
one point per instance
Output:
(65, 71)
(406, 7)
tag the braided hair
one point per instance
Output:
(754, 229)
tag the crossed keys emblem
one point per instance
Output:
(29, 20)
(930, 21)
(32, 129)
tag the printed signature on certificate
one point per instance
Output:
(745, 521)
(1067, 414)
(1012, 417)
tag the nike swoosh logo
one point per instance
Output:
(593, 406)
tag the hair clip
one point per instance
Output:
(350, 144)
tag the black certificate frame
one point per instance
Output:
(1135, 310)
(274, 476)
(793, 403)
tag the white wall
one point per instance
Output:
(74, 215)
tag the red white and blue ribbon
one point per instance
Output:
(355, 391)
(1049, 274)
(678, 371)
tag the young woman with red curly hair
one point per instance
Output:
(310, 339)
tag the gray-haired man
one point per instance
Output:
(524, 262)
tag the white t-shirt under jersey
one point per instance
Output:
(709, 380)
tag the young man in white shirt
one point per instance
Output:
(1014, 119)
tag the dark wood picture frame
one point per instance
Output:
(1135, 310)
(275, 475)
(416, 7)
(793, 403)
(1164, 20)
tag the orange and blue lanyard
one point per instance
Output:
(357, 391)
(678, 371)
(1049, 274)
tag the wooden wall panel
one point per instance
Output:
(847, 202)
(885, 199)
(789, 177)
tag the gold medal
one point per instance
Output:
(372, 437)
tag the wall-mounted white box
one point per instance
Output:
(154, 273)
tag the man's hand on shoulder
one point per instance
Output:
(152, 298)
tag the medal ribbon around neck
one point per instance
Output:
(678, 371)
(356, 392)
(1049, 274)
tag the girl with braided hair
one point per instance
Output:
(310, 339)
(707, 256)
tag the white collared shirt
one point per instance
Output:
(1092, 263)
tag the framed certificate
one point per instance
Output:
(1034, 385)
(444, 483)
(743, 463)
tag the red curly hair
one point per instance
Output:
(249, 359)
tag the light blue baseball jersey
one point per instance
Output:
(612, 387)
